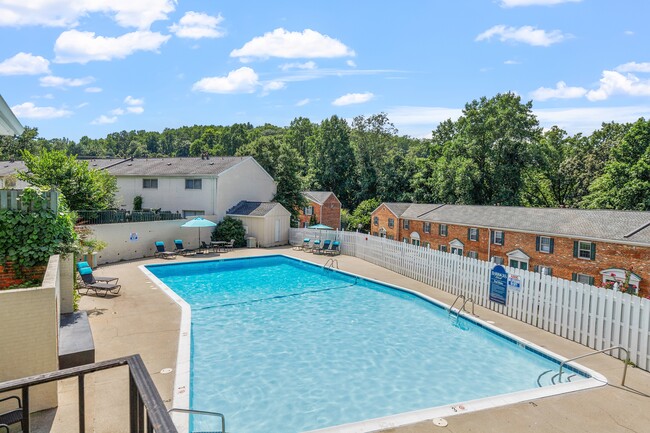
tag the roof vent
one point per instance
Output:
(169, 163)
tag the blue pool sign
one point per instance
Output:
(498, 285)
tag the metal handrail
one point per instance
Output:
(466, 301)
(143, 394)
(627, 360)
(331, 263)
(454, 303)
(202, 412)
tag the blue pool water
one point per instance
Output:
(282, 345)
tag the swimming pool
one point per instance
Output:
(283, 345)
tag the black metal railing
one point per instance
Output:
(147, 412)
(123, 216)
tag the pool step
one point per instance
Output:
(548, 377)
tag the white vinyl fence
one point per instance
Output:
(592, 316)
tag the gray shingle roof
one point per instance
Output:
(252, 208)
(398, 208)
(175, 166)
(595, 224)
(317, 196)
(7, 167)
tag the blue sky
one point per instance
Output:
(87, 67)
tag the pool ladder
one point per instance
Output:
(462, 307)
(331, 263)
(203, 412)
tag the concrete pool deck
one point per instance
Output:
(144, 320)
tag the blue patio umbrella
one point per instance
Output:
(320, 227)
(199, 222)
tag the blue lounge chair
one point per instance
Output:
(326, 245)
(81, 265)
(334, 249)
(161, 252)
(89, 283)
(315, 245)
(180, 249)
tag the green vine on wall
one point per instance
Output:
(29, 237)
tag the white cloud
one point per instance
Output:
(104, 120)
(53, 81)
(28, 110)
(303, 102)
(511, 62)
(628, 33)
(525, 34)
(588, 119)
(613, 83)
(291, 45)
(117, 111)
(633, 67)
(561, 91)
(515, 3)
(273, 85)
(307, 65)
(83, 104)
(415, 115)
(351, 63)
(197, 25)
(353, 98)
(66, 13)
(25, 64)
(93, 90)
(242, 80)
(135, 110)
(73, 46)
(130, 100)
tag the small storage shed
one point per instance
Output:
(268, 222)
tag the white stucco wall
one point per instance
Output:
(29, 337)
(245, 181)
(120, 247)
(170, 195)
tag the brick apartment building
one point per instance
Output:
(590, 246)
(324, 206)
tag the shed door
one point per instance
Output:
(277, 230)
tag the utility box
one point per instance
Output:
(251, 242)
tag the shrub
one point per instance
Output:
(230, 228)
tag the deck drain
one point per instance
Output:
(165, 371)
(440, 422)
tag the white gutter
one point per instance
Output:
(9, 124)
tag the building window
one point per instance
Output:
(391, 223)
(497, 260)
(497, 237)
(193, 183)
(375, 233)
(518, 264)
(406, 224)
(442, 229)
(457, 250)
(191, 213)
(405, 240)
(305, 224)
(544, 244)
(375, 221)
(544, 270)
(472, 234)
(426, 245)
(442, 248)
(472, 254)
(150, 183)
(426, 227)
(584, 250)
(583, 278)
(415, 242)
(390, 237)
(309, 210)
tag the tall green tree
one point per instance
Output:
(332, 161)
(625, 182)
(83, 188)
(359, 219)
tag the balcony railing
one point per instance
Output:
(147, 412)
(123, 216)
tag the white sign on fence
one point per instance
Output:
(514, 283)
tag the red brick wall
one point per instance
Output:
(9, 277)
(562, 262)
(383, 214)
(331, 212)
(307, 218)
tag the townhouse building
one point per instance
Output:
(599, 247)
(323, 206)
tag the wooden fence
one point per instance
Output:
(595, 317)
(10, 199)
